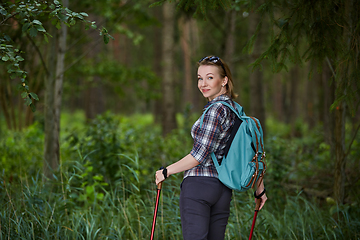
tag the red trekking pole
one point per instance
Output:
(257, 206)
(156, 208)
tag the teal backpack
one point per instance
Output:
(243, 163)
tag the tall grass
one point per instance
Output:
(36, 210)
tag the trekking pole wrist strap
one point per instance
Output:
(260, 195)
(164, 172)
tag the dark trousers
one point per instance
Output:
(204, 208)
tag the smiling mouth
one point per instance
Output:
(205, 90)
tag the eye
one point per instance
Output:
(199, 78)
(210, 78)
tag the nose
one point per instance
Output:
(203, 83)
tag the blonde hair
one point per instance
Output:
(224, 71)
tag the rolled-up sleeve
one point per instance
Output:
(206, 138)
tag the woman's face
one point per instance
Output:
(210, 83)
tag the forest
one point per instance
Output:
(97, 95)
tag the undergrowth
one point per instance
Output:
(104, 188)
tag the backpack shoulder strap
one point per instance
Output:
(238, 110)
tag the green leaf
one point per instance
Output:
(33, 32)
(58, 25)
(90, 190)
(5, 58)
(62, 17)
(7, 38)
(98, 178)
(19, 58)
(37, 22)
(24, 94)
(32, 107)
(100, 196)
(40, 28)
(28, 101)
(34, 96)
(46, 38)
(106, 39)
(3, 11)
(84, 14)
(25, 27)
(158, 3)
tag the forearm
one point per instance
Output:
(183, 164)
(260, 187)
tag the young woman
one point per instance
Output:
(204, 200)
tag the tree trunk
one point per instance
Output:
(293, 106)
(277, 97)
(168, 107)
(4, 103)
(339, 176)
(339, 132)
(257, 105)
(156, 64)
(230, 40)
(53, 97)
(59, 78)
(328, 117)
(51, 153)
(310, 102)
(184, 24)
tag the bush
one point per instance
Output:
(21, 153)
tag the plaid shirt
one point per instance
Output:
(211, 137)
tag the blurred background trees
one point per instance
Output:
(293, 62)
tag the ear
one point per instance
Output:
(225, 81)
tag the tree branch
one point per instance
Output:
(330, 66)
(81, 56)
(12, 15)
(40, 55)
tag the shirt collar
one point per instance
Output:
(223, 97)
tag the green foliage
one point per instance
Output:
(85, 201)
(320, 32)
(21, 152)
(29, 15)
(115, 145)
(101, 143)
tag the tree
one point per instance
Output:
(53, 99)
(168, 106)
(28, 17)
(184, 26)
(257, 105)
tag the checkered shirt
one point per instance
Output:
(211, 137)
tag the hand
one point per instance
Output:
(159, 177)
(262, 201)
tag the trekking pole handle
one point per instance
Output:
(258, 202)
(159, 185)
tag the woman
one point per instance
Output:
(204, 200)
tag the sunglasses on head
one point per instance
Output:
(213, 59)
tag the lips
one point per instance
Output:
(205, 90)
